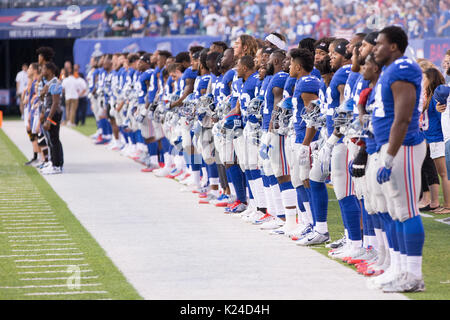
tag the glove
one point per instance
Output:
(264, 151)
(350, 168)
(384, 173)
(152, 106)
(197, 128)
(142, 114)
(357, 167)
(325, 153)
(303, 156)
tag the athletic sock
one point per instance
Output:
(351, 214)
(237, 178)
(319, 196)
(414, 237)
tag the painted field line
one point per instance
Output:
(46, 249)
(41, 255)
(28, 213)
(60, 234)
(28, 220)
(38, 227)
(27, 223)
(32, 232)
(41, 240)
(26, 216)
(64, 293)
(57, 278)
(54, 266)
(53, 286)
(42, 244)
(51, 271)
(48, 260)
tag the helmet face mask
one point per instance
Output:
(311, 115)
(343, 116)
(282, 117)
(223, 108)
(254, 107)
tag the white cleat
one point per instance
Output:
(51, 170)
(272, 224)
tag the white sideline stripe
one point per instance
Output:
(39, 227)
(31, 224)
(14, 217)
(43, 244)
(49, 271)
(33, 232)
(61, 234)
(64, 293)
(35, 240)
(58, 278)
(47, 249)
(55, 266)
(42, 255)
(48, 260)
(32, 212)
(29, 220)
(53, 286)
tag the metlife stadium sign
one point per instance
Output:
(59, 22)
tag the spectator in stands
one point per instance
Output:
(239, 29)
(323, 26)
(190, 22)
(444, 20)
(137, 24)
(153, 26)
(175, 24)
(119, 24)
(251, 12)
(211, 22)
(111, 9)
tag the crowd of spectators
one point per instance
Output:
(295, 18)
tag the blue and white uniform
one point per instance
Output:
(403, 188)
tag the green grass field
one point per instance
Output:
(16, 179)
(45, 253)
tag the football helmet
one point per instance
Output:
(282, 116)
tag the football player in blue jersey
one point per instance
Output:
(401, 151)
(334, 147)
(304, 141)
(364, 166)
(274, 165)
(246, 149)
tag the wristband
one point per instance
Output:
(332, 140)
(51, 121)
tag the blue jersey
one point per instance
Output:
(402, 69)
(201, 82)
(333, 94)
(264, 85)
(371, 145)
(315, 72)
(235, 89)
(91, 79)
(217, 87)
(226, 83)
(277, 81)
(247, 92)
(289, 87)
(306, 84)
(351, 80)
(187, 74)
(432, 128)
(152, 86)
(107, 88)
(141, 86)
(101, 74)
(359, 86)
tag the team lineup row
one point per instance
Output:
(260, 131)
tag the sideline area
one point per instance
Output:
(170, 247)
